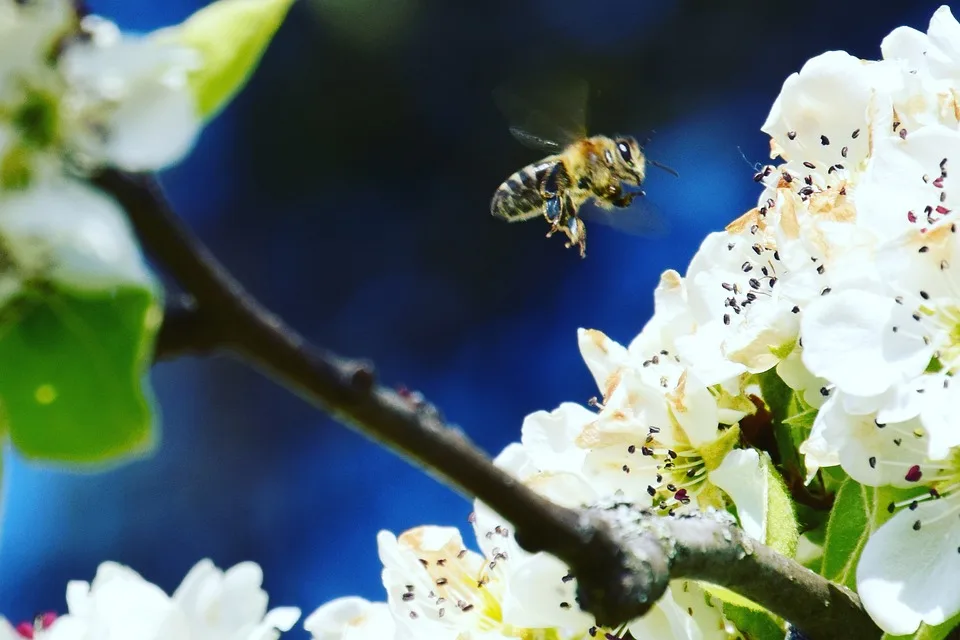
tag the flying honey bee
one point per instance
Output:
(607, 170)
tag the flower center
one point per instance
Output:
(36, 121)
(946, 319)
(942, 478)
(936, 209)
(681, 473)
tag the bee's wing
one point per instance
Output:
(641, 218)
(531, 141)
(547, 117)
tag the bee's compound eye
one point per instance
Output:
(624, 150)
(608, 156)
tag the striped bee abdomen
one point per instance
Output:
(519, 198)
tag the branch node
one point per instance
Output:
(362, 376)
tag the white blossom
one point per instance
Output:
(351, 618)
(663, 437)
(540, 591)
(231, 604)
(210, 604)
(78, 94)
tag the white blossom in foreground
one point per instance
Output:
(210, 604)
(76, 93)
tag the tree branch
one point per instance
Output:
(622, 565)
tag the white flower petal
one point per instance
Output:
(831, 96)
(151, 121)
(153, 129)
(548, 438)
(73, 233)
(741, 477)
(908, 575)
(939, 418)
(350, 618)
(767, 328)
(849, 338)
(796, 376)
(275, 622)
(696, 410)
(604, 357)
(536, 592)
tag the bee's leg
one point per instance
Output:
(624, 200)
(556, 207)
(576, 231)
(554, 214)
(621, 198)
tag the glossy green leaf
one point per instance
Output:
(755, 623)
(231, 37)
(857, 512)
(77, 362)
(783, 533)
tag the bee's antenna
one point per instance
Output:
(669, 170)
(647, 140)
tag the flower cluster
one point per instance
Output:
(210, 604)
(76, 96)
(826, 319)
(840, 286)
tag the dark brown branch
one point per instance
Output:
(621, 572)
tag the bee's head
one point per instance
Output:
(629, 159)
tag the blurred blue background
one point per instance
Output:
(348, 186)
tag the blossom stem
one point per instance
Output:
(620, 575)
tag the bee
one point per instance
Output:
(609, 171)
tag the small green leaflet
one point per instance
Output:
(857, 512)
(231, 37)
(75, 364)
(754, 622)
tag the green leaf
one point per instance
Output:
(231, 37)
(80, 361)
(755, 623)
(857, 512)
(783, 532)
(802, 421)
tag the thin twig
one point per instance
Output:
(620, 574)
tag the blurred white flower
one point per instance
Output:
(77, 93)
(351, 618)
(230, 605)
(209, 605)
